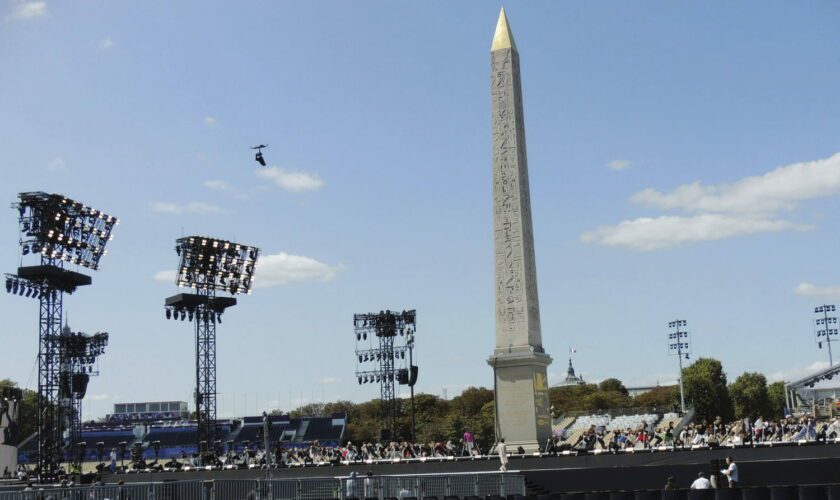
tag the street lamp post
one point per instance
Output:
(679, 345)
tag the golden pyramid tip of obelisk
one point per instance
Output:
(503, 38)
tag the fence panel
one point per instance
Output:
(362, 487)
(316, 489)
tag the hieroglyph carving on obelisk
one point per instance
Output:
(519, 362)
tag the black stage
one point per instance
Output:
(763, 466)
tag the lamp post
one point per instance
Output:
(828, 334)
(679, 345)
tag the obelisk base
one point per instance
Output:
(523, 410)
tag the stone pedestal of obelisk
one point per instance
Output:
(519, 363)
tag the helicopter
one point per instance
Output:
(259, 157)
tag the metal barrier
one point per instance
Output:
(361, 487)
(461, 485)
(176, 490)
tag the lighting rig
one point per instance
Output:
(386, 340)
(679, 345)
(79, 354)
(208, 266)
(826, 332)
(61, 231)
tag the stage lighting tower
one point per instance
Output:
(78, 354)
(386, 340)
(60, 231)
(209, 265)
(679, 345)
(826, 328)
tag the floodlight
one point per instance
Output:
(62, 229)
(214, 264)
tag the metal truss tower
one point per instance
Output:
(386, 339)
(209, 265)
(62, 231)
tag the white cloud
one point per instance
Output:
(106, 44)
(197, 207)
(794, 374)
(297, 181)
(747, 206)
(165, 276)
(99, 397)
(216, 184)
(809, 290)
(779, 189)
(619, 164)
(654, 233)
(210, 121)
(282, 268)
(330, 380)
(57, 164)
(29, 10)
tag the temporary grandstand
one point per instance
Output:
(177, 438)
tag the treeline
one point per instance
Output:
(706, 388)
(27, 413)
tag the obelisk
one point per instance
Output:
(519, 362)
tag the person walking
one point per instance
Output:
(469, 440)
(501, 448)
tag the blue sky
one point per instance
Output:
(681, 160)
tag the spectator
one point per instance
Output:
(469, 441)
(670, 484)
(351, 487)
(701, 483)
(833, 431)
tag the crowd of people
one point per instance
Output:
(742, 432)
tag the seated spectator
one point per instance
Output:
(701, 483)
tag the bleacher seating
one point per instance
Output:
(172, 436)
(179, 438)
(583, 423)
(322, 430)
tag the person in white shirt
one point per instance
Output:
(501, 448)
(731, 472)
(701, 483)
(833, 431)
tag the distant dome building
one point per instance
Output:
(571, 379)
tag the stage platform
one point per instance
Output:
(778, 465)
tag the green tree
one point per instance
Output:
(570, 398)
(465, 413)
(661, 397)
(705, 387)
(749, 395)
(27, 423)
(776, 400)
(605, 400)
(612, 384)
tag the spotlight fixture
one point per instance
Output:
(60, 228)
(214, 264)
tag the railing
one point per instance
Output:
(178, 490)
(367, 487)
